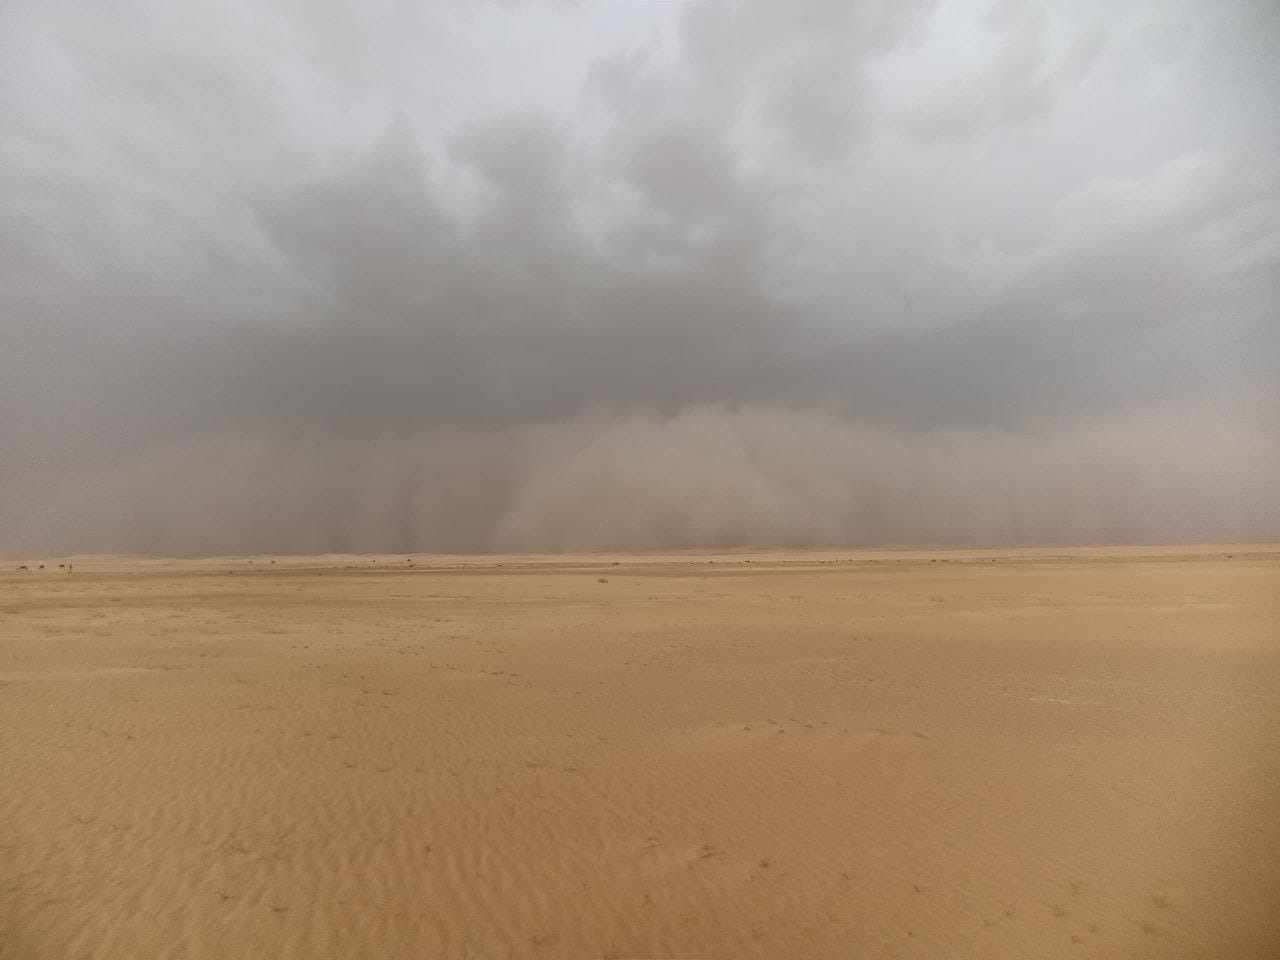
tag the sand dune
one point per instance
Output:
(1053, 753)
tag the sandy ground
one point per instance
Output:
(1068, 753)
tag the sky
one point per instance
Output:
(291, 277)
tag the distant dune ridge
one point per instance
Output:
(707, 476)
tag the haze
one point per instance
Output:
(292, 277)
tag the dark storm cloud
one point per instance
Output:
(384, 279)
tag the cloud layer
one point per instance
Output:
(292, 278)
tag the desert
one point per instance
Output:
(901, 753)
(677, 480)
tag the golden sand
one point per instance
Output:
(1065, 753)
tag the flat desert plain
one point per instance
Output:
(1019, 753)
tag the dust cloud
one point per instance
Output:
(705, 477)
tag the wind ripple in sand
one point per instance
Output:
(416, 764)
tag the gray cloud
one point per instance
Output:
(326, 258)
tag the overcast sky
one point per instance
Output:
(299, 263)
